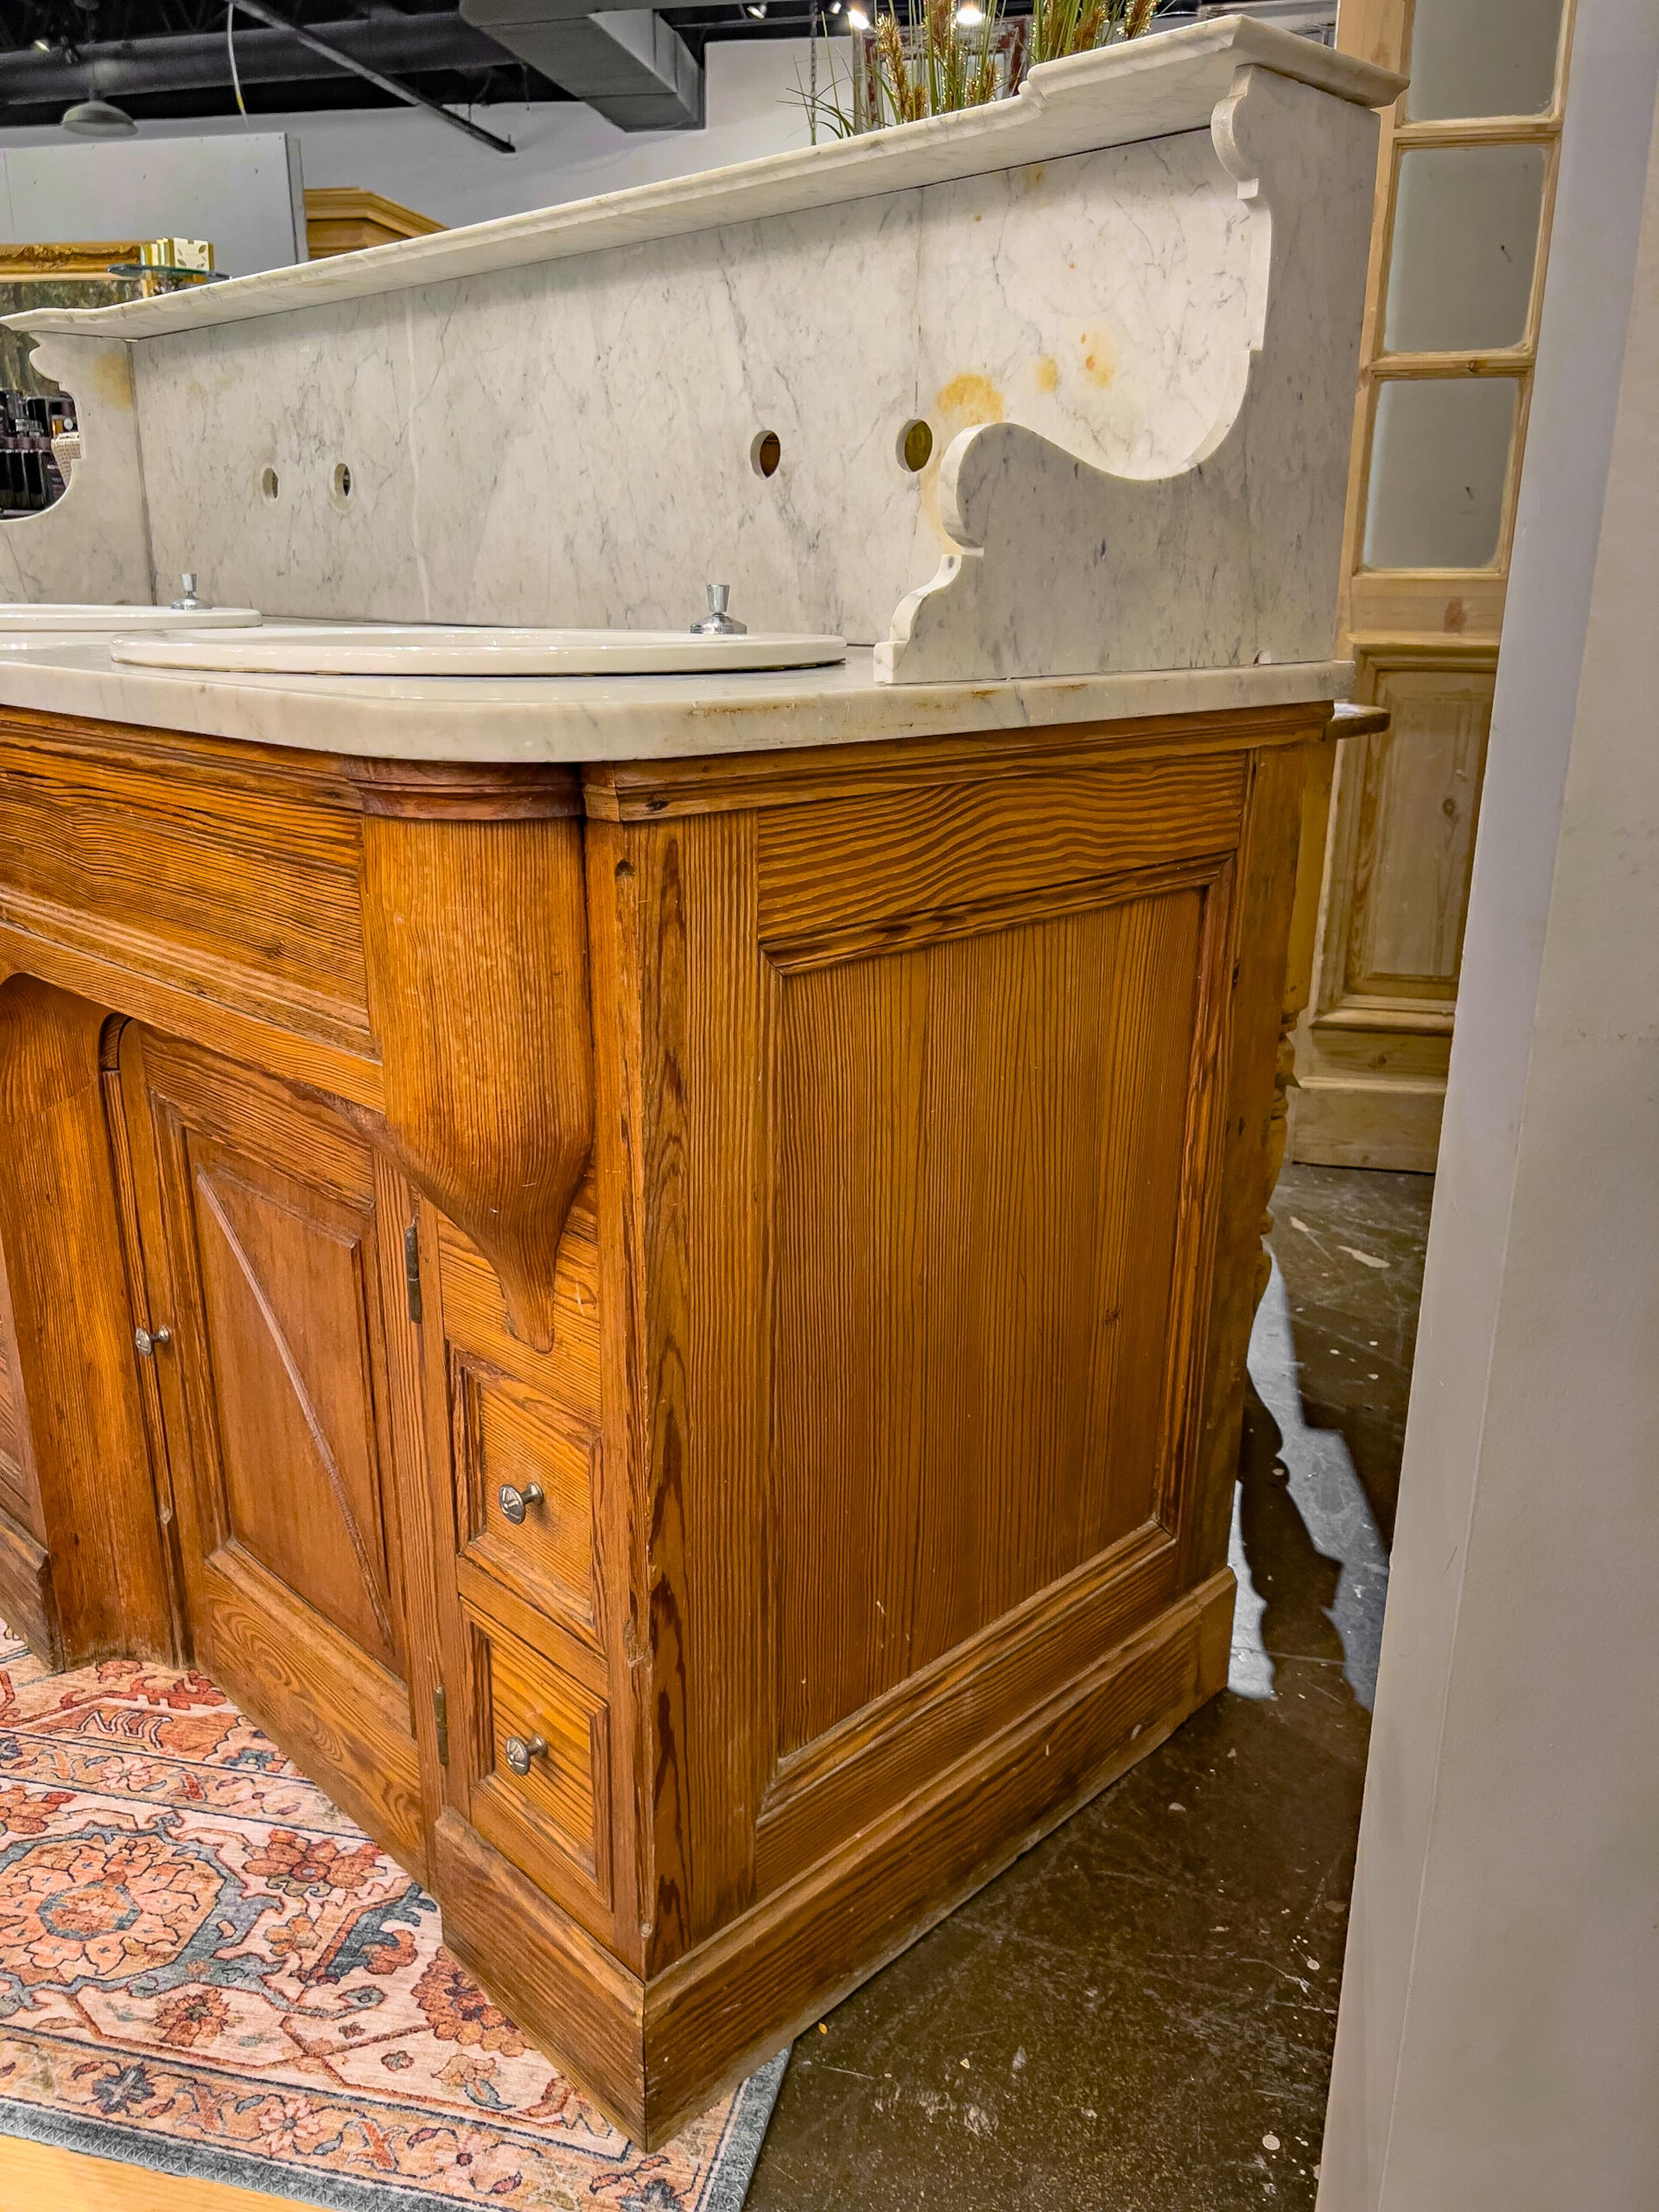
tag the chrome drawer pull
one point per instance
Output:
(147, 1341)
(518, 1753)
(515, 1504)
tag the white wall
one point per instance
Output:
(565, 151)
(1498, 2044)
(242, 194)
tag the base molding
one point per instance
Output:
(1342, 1123)
(653, 2054)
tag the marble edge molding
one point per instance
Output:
(573, 719)
(1147, 88)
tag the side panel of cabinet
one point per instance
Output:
(263, 1221)
(930, 1087)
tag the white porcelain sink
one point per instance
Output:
(430, 649)
(56, 613)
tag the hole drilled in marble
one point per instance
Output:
(270, 482)
(916, 445)
(766, 452)
(342, 485)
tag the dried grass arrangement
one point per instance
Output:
(946, 55)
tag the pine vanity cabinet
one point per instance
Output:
(674, 1330)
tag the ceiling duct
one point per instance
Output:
(629, 65)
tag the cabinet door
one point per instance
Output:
(272, 1247)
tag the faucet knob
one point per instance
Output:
(717, 623)
(187, 601)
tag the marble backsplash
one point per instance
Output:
(571, 441)
(1122, 308)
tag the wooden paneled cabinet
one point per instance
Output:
(674, 1331)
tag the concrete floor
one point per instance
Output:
(1137, 2017)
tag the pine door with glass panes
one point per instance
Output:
(1465, 187)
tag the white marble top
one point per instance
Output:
(612, 717)
(1141, 89)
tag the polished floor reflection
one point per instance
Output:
(1137, 2017)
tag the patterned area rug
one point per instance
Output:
(206, 1969)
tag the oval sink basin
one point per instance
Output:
(57, 614)
(430, 649)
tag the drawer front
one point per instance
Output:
(554, 1816)
(524, 1472)
(474, 1313)
(233, 882)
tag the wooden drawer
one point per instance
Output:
(474, 1312)
(231, 879)
(556, 1816)
(510, 1439)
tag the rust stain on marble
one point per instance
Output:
(1046, 372)
(970, 400)
(1099, 357)
(110, 376)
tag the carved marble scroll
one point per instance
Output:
(93, 544)
(1062, 568)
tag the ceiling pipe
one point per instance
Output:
(394, 85)
(195, 61)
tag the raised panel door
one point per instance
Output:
(973, 1280)
(260, 1220)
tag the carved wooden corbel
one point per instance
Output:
(475, 929)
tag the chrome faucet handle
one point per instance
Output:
(187, 602)
(717, 623)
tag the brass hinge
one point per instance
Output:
(441, 1714)
(412, 1268)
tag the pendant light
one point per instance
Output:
(99, 118)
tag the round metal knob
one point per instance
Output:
(518, 1753)
(515, 1504)
(146, 1339)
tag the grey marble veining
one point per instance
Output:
(569, 443)
(1229, 552)
(1133, 353)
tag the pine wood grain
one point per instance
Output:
(558, 1807)
(972, 1273)
(246, 895)
(20, 1488)
(477, 935)
(258, 1218)
(73, 1332)
(764, 1979)
(833, 1177)
(507, 1436)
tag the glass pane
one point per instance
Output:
(1438, 456)
(1483, 57)
(1465, 239)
